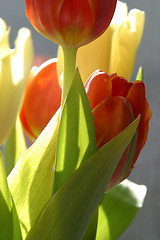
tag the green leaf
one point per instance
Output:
(70, 210)
(31, 180)
(6, 221)
(92, 227)
(14, 147)
(76, 137)
(17, 235)
(118, 209)
(140, 74)
(9, 222)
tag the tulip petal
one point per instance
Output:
(42, 91)
(76, 20)
(96, 55)
(125, 41)
(110, 117)
(98, 87)
(120, 14)
(14, 69)
(4, 39)
(139, 104)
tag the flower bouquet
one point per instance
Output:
(86, 126)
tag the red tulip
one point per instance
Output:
(115, 102)
(70, 22)
(41, 99)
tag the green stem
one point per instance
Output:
(69, 68)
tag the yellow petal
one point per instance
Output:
(95, 55)
(120, 14)
(4, 40)
(14, 70)
(125, 42)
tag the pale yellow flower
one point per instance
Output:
(115, 50)
(15, 65)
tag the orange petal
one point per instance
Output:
(136, 97)
(98, 87)
(110, 117)
(42, 99)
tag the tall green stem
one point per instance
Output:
(69, 68)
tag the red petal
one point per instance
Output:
(98, 87)
(136, 96)
(76, 20)
(103, 11)
(110, 117)
(42, 99)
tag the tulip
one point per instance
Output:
(15, 65)
(115, 50)
(41, 99)
(115, 103)
(68, 22)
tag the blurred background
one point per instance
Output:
(146, 226)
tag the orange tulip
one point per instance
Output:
(42, 98)
(115, 102)
(70, 22)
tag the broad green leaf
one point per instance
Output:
(118, 209)
(6, 221)
(9, 222)
(92, 227)
(14, 147)
(31, 180)
(140, 74)
(17, 234)
(76, 137)
(70, 210)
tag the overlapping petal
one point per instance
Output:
(115, 103)
(69, 22)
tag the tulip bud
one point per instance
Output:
(115, 102)
(42, 98)
(115, 50)
(68, 22)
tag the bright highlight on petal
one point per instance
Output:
(15, 65)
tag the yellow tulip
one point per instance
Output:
(115, 50)
(15, 65)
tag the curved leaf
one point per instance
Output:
(70, 210)
(76, 137)
(118, 209)
(14, 147)
(31, 180)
